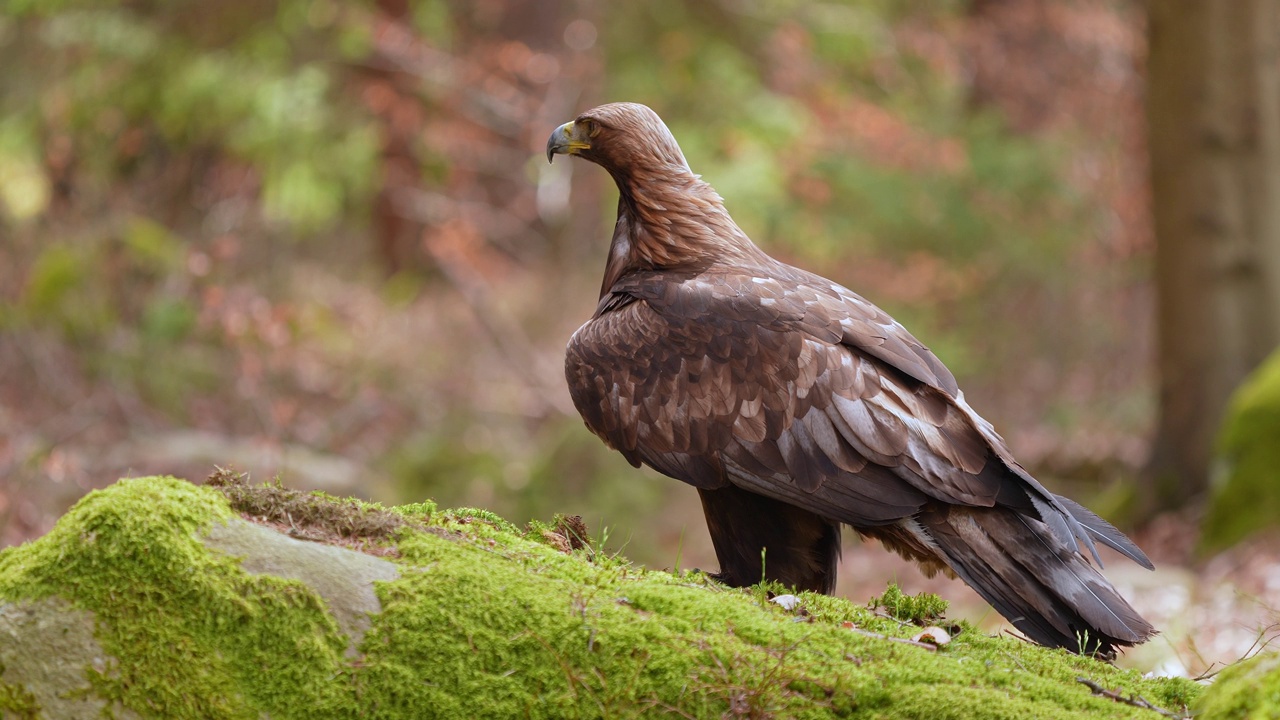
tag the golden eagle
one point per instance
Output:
(793, 405)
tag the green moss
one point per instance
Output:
(467, 516)
(1247, 496)
(423, 510)
(484, 622)
(1250, 689)
(917, 609)
(17, 702)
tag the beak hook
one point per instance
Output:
(561, 141)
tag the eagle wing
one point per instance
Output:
(784, 384)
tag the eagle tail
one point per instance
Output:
(1047, 589)
(1105, 533)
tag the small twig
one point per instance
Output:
(1015, 635)
(1134, 700)
(868, 633)
(1259, 645)
(887, 616)
(1209, 672)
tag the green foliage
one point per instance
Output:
(218, 78)
(168, 321)
(69, 284)
(1002, 202)
(1246, 496)
(918, 609)
(54, 291)
(106, 293)
(151, 247)
(24, 189)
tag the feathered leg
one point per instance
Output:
(800, 549)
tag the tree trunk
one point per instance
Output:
(1213, 117)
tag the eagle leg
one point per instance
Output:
(799, 549)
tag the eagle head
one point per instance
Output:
(619, 137)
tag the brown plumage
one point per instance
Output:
(794, 406)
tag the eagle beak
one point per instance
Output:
(564, 142)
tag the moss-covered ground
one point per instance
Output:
(483, 620)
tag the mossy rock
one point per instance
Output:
(155, 598)
(1244, 691)
(1246, 494)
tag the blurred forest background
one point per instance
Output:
(319, 239)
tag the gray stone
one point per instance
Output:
(45, 647)
(343, 578)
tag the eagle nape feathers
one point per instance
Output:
(796, 407)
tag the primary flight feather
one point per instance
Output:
(795, 406)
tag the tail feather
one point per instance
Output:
(973, 563)
(1069, 575)
(1105, 532)
(1046, 588)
